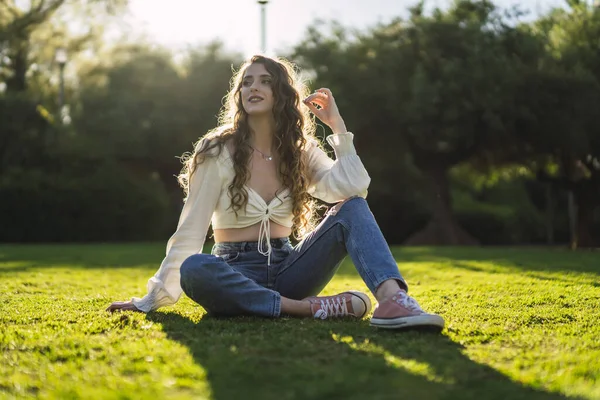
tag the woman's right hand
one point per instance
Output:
(122, 306)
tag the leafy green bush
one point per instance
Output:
(502, 214)
(100, 204)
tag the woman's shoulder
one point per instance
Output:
(214, 143)
(210, 148)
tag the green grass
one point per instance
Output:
(521, 324)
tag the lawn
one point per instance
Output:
(521, 324)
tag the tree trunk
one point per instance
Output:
(586, 202)
(442, 228)
(549, 214)
(19, 64)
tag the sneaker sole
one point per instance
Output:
(428, 320)
(365, 299)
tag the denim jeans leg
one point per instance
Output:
(224, 291)
(349, 228)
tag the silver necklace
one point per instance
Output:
(266, 157)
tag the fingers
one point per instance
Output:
(316, 102)
(312, 107)
(317, 96)
(122, 305)
(322, 92)
(325, 91)
(321, 99)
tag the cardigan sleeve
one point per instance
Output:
(333, 181)
(164, 287)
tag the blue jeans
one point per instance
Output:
(236, 280)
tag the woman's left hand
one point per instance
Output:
(322, 104)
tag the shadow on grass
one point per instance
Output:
(305, 359)
(533, 260)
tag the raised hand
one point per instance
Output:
(322, 104)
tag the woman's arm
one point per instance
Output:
(164, 287)
(333, 181)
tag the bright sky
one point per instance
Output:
(237, 22)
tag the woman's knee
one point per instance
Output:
(199, 278)
(197, 269)
(350, 205)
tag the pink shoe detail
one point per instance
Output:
(402, 311)
(347, 304)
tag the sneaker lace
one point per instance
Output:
(335, 306)
(408, 302)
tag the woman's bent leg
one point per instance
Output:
(224, 291)
(349, 228)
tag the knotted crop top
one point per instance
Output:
(208, 202)
(257, 210)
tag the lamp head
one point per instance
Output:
(61, 56)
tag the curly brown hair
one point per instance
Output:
(294, 129)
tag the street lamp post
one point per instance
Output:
(263, 25)
(61, 60)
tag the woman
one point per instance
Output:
(254, 179)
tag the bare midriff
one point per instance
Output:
(250, 233)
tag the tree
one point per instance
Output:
(434, 87)
(30, 33)
(571, 138)
(145, 111)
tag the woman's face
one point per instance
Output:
(257, 93)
